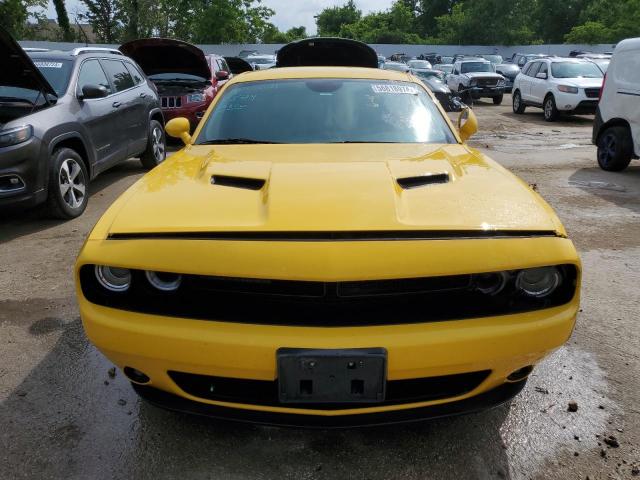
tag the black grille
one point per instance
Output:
(487, 82)
(171, 102)
(323, 304)
(263, 392)
(592, 92)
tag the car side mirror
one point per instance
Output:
(179, 127)
(93, 91)
(467, 124)
(541, 76)
(222, 75)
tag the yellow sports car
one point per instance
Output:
(327, 251)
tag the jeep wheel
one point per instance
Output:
(614, 149)
(518, 105)
(498, 100)
(68, 189)
(156, 150)
(551, 112)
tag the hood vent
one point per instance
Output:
(422, 180)
(238, 182)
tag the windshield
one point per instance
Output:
(419, 64)
(261, 60)
(468, 67)
(496, 59)
(603, 63)
(435, 75)
(575, 70)
(325, 111)
(173, 76)
(446, 68)
(57, 73)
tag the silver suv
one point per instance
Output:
(476, 78)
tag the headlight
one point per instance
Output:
(16, 135)
(491, 283)
(501, 83)
(167, 282)
(195, 98)
(538, 282)
(567, 89)
(113, 278)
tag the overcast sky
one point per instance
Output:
(289, 13)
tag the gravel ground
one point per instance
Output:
(63, 416)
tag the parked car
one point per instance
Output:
(400, 57)
(419, 65)
(381, 61)
(494, 59)
(372, 270)
(601, 60)
(434, 81)
(616, 130)
(181, 73)
(476, 78)
(509, 71)
(220, 72)
(446, 68)
(558, 85)
(432, 58)
(521, 59)
(397, 66)
(65, 117)
(445, 60)
(262, 62)
(247, 53)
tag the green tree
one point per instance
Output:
(331, 20)
(103, 16)
(15, 13)
(590, 33)
(63, 20)
(607, 21)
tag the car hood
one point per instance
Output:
(18, 69)
(328, 188)
(483, 75)
(164, 55)
(435, 85)
(581, 82)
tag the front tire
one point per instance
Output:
(156, 150)
(615, 149)
(498, 100)
(68, 190)
(551, 112)
(517, 103)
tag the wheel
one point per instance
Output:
(551, 112)
(518, 105)
(68, 191)
(498, 100)
(614, 149)
(156, 150)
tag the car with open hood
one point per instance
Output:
(65, 117)
(181, 73)
(326, 250)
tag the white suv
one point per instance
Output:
(567, 85)
(616, 129)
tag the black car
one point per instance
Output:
(434, 81)
(509, 71)
(67, 116)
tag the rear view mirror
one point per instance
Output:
(179, 127)
(93, 91)
(222, 75)
(541, 76)
(467, 124)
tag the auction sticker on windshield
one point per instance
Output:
(48, 64)
(388, 88)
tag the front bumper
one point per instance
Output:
(576, 103)
(24, 165)
(482, 92)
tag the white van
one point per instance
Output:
(616, 130)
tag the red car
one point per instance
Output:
(181, 73)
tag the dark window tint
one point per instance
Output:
(533, 70)
(544, 69)
(118, 74)
(135, 74)
(91, 73)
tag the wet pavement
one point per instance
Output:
(63, 416)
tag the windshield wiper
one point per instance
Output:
(234, 141)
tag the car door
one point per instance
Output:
(132, 123)
(98, 115)
(539, 85)
(452, 79)
(144, 102)
(525, 82)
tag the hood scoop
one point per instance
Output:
(245, 183)
(408, 183)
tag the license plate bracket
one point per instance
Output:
(331, 376)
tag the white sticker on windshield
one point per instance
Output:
(48, 64)
(388, 88)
